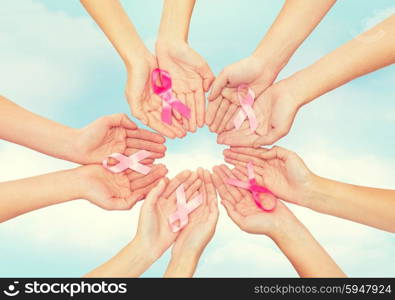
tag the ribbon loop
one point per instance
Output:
(183, 209)
(254, 188)
(246, 111)
(131, 162)
(169, 100)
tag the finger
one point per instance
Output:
(154, 155)
(152, 176)
(242, 137)
(235, 162)
(236, 192)
(154, 194)
(227, 117)
(277, 152)
(230, 93)
(231, 122)
(207, 75)
(176, 181)
(232, 212)
(193, 189)
(257, 152)
(145, 145)
(242, 157)
(159, 126)
(191, 104)
(200, 107)
(219, 83)
(210, 191)
(145, 135)
(140, 194)
(127, 123)
(220, 114)
(176, 114)
(175, 128)
(221, 186)
(187, 183)
(212, 108)
(200, 173)
(184, 122)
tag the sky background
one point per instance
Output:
(55, 61)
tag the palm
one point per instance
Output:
(247, 71)
(183, 64)
(253, 217)
(286, 179)
(107, 190)
(144, 103)
(199, 230)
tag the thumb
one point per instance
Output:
(154, 194)
(207, 75)
(219, 83)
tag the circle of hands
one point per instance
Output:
(278, 169)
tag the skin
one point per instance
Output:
(278, 105)
(139, 64)
(286, 175)
(191, 75)
(193, 239)
(154, 235)
(290, 235)
(94, 183)
(261, 68)
(88, 145)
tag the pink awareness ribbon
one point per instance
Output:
(253, 187)
(169, 101)
(128, 162)
(183, 209)
(246, 111)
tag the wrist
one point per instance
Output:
(182, 264)
(139, 56)
(269, 60)
(164, 44)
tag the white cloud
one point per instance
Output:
(46, 57)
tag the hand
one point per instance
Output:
(154, 231)
(242, 209)
(275, 110)
(117, 191)
(144, 104)
(191, 78)
(202, 222)
(115, 133)
(280, 170)
(222, 108)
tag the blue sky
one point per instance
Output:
(56, 62)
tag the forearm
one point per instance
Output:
(21, 196)
(183, 265)
(296, 20)
(25, 128)
(366, 53)
(176, 17)
(369, 206)
(115, 23)
(131, 261)
(305, 253)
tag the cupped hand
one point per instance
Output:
(275, 110)
(201, 223)
(224, 102)
(280, 170)
(242, 209)
(117, 191)
(154, 231)
(191, 78)
(115, 133)
(145, 105)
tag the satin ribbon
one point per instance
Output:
(252, 186)
(169, 100)
(131, 162)
(183, 209)
(246, 111)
